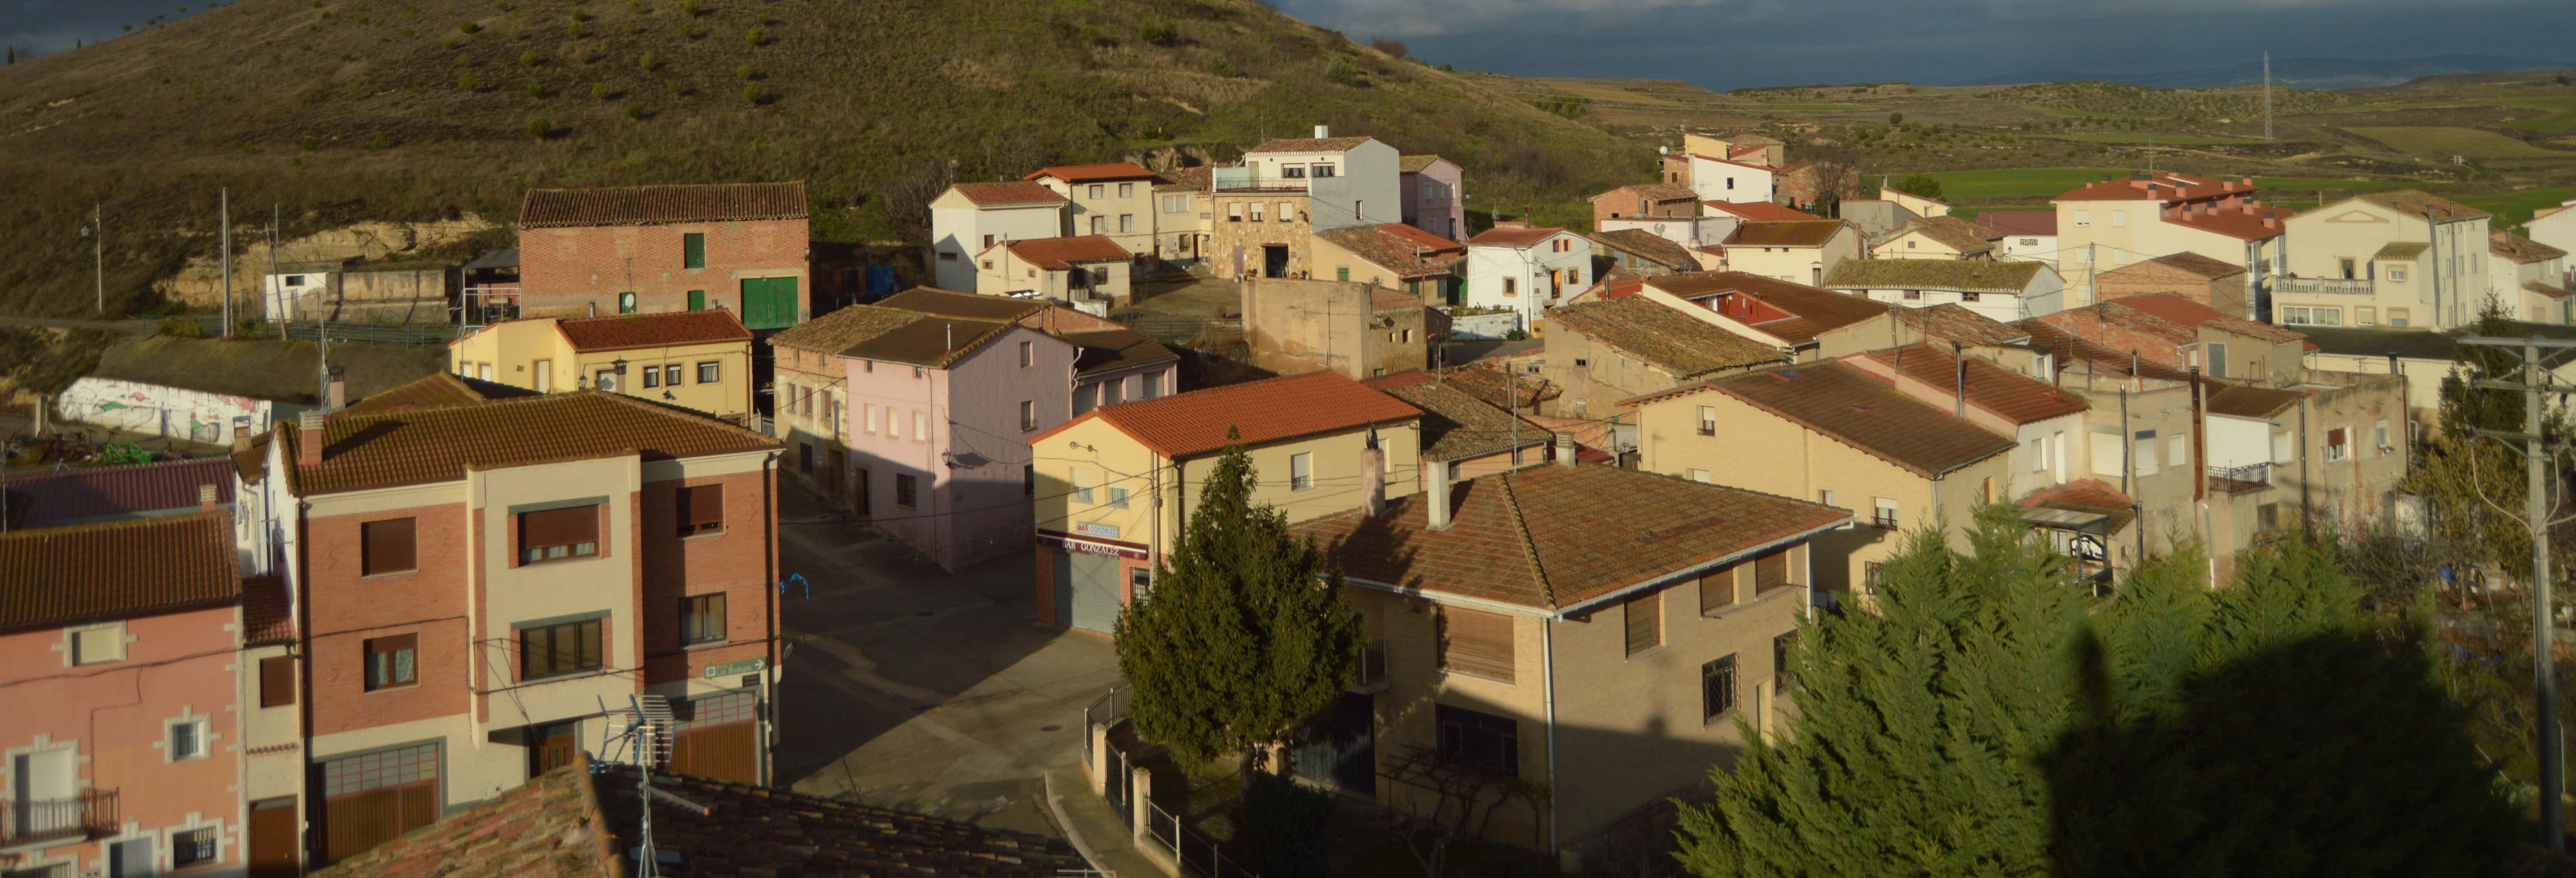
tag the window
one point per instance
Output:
(1716, 590)
(693, 250)
(1883, 512)
(2083, 217)
(1086, 398)
(1028, 354)
(1323, 170)
(1708, 420)
(1117, 498)
(2177, 450)
(1781, 645)
(2217, 357)
(386, 546)
(2365, 315)
(702, 619)
(2280, 448)
(1730, 182)
(391, 661)
(1099, 191)
(1475, 642)
(1028, 480)
(2119, 218)
(701, 509)
(2295, 315)
(2267, 517)
(948, 256)
(1098, 277)
(2396, 273)
(1256, 211)
(710, 373)
(1153, 383)
(1511, 286)
(2397, 317)
(920, 426)
(671, 375)
(96, 644)
(1140, 585)
(625, 305)
(556, 650)
(906, 490)
(558, 534)
(1234, 211)
(1771, 571)
(1701, 476)
(1126, 222)
(1099, 224)
(1342, 273)
(192, 847)
(1176, 203)
(1126, 190)
(1645, 621)
(1913, 295)
(2345, 266)
(187, 740)
(1716, 689)
(1293, 172)
(1972, 297)
(868, 418)
(1301, 471)
(652, 376)
(1082, 487)
(1287, 211)
(1825, 497)
(2338, 445)
(2380, 431)
(294, 280)
(1872, 575)
(277, 681)
(1477, 739)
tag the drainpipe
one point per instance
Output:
(2304, 529)
(1547, 653)
(769, 561)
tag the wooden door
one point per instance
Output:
(555, 747)
(724, 752)
(354, 823)
(274, 832)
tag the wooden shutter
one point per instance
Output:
(277, 681)
(559, 527)
(1645, 614)
(701, 509)
(1476, 642)
(387, 546)
(1717, 589)
(1771, 572)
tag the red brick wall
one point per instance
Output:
(1622, 203)
(735, 562)
(349, 608)
(562, 271)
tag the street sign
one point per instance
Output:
(746, 666)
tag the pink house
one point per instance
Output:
(122, 752)
(1432, 200)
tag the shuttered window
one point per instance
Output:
(554, 650)
(1716, 590)
(693, 250)
(701, 509)
(387, 546)
(1476, 642)
(1771, 572)
(702, 619)
(1645, 618)
(558, 534)
(393, 661)
(276, 681)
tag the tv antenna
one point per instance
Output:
(646, 741)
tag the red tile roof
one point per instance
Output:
(2185, 312)
(1515, 236)
(1009, 192)
(1405, 255)
(666, 329)
(1651, 192)
(662, 205)
(1554, 538)
(2019, 222)
(73, 496)
(2416, 202)
(1817, 310)
(2086, 495)
(1271, 410)
(2159, 186)
(1093, 173)
(2010, 278)
(1498, 386)
(1414, 164)
(1062, 254)
(1952, 321)
(1649, 246)
(2520, 249)
(1865, 412)
(2070, 347)
(417, 446)
(971, 306)
(1760, 211)
(115, 570)
(268, 614)
(2243, 222)
(2011, 395)
(1426, 240)
(1790, 233)
(436, 390)
(1681, 345)
(1456, 424)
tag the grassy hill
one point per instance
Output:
(347, 110)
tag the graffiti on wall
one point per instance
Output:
(160, 410)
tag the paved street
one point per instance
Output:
(912, 688)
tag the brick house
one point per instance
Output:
(1645, 199)
(482, 587)
(742, 246)
(2214, 283)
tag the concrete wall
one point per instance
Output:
(1299, 326)
(1483, 326)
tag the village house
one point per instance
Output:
(1797, 251)
(1605, 351)
(1942, 326)
(1088, 270)
(1466, 434)
(1318, 442)
(1756, 211)
(1639, 253)
(1525, 633)
(1936, 237)
(2181, 335)
(2529, 277)
(2045, 423)
(1526, 269)
(2022, 235)
(1356, 329)
(2403, 259)
(1181, 214)
(475, 580)
(1644, 200)
(2554, 226)
(697, 359)
(2005, 291)
(1265, 211)
(2111, 223)
(2216, 284)
(666, 248)
(1778, 314)
(1674, 167)
(1699, 234)
(970, 218)
(1114, 200)
(205, 390)
(2425, 359)
(1393, 255)
(1911, 206)
(1434, 200)
(1114, 363)
(1718, 179)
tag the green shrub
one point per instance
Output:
(745, 72)
(1340, 71)
(1160, 33)
(634, 27)
(689, 30)
(182, 327)
(536, 89)
(755, 94)
(528, 59)
(634, 110)
(581, 15)
(468, 27)
(467, 82)
(635, 6)
(649, 63)
(380, 142)
(690, 8)
(540, 129)
(601, 91)
(756, 37)
(1896, 118)
(451, 43)
(504, 5)
(310, 143)
(576, 30)
(1217, 65)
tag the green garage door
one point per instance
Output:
(769, 302)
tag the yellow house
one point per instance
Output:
(697, 359)
(1320, 443)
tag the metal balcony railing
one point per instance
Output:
(87, 814)
(1372, 663)
(2240, 478)
(2322, 286)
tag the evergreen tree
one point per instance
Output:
(1987, 721)
(1242, 638)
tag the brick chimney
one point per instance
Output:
(205, 498)
(339, 398)
(308, 439)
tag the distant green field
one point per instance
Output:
(2328, 184)
(2562, 118)
(2515, 208)
(2443, 142)
(2141, 138)
(1822, 108)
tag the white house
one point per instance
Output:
(2022, 235)
(2004, 291)
(2404, 259)
(970, 218)
(1348, 181)
(1798, 251)
(2554, 226)
(2111, 223)
(1526, 268)
(1719, 179)
(2530, 278)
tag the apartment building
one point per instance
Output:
(644, 249)
(2108, 224)
(2403, 259)
(970, 218)
(698, 358)
(1113, 200)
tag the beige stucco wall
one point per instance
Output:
(532, 353)
(1108, 458)
(1800, 265)
(2354, 229)
(1098, 209)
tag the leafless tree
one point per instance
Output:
(908, 194)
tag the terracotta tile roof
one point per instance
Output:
(2185, 312)
(1110, 350)
(444, 388)
(2248, 402)
(2089, 321)
(2158, 186)
(2011, 395)
(1711, 158)
(1413, 164)
(1865, 412)
(2414, 202)
(971, 306)
(1405, 255)
(116, 569)
(549, 827)
(1760, 211)
(1270, 410)
(1009, 192)
(1955, 322)
(1817, 310)
(662, 205)
(2244, 222)
(1657, 192)
(1932, 274)
(1425, 239)
(2195, 263)
(1792, 233)
(1520, 392)
(835, 332)
(1196, 177)
(1455, 424)
(1681, 345)
(1062, 254)
(1514, 236)
(268, 616)
(2071, 348)
(1649, 246)
(1948, 231)
(759, 832)
(2018, 222)
(2086, 495)
(2538, 288)
(440, 444)
(2407, 343)
(1093, 173)
(1308, 144)
(2520, 249)
(929, 342)
(665, 329)
(1552, 538)
(1106, 346)
(270, 369)
(75, 496)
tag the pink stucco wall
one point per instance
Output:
(961, 514)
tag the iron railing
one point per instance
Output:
(85, 814)
(1373, 663)
(1198, 854)
(2322, 286)
(2254, 474)
(412, 334)
(1105, 710)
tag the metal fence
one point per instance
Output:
(1105, 710)
(411, 334)
(1199, 854)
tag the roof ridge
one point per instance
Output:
(1529, 547)
(38, 533)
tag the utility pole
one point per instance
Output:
(98, 252)
(276, 212)
(2548, 743)
(225, 199)
(2267, 95)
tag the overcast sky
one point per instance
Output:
(1726, 44)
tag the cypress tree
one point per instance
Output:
(1243, 638)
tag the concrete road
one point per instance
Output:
(908, 687)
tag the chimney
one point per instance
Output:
(1565, 450)
(1373, 481)
(308, 442)
(594, 308)
(241, 436)
(2271, 222)
(205, 498)
(1959, 367)
(1435, 476)
(1323, 131)
(339, 398)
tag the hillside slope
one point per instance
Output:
(345, 110)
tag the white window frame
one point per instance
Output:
(205, 734)
(1301, 471)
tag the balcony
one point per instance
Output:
(2240, 479)
(89, 814)
(2321, 286)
